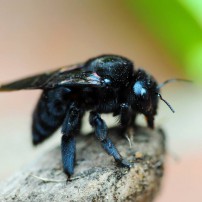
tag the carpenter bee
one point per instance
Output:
(104, 84)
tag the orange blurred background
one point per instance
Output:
(36, 36)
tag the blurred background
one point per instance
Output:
(164, 37)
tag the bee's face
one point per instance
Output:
(145, 94)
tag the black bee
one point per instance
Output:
(104, 84)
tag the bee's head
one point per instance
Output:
(144, 96)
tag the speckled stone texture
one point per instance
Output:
(96, 178)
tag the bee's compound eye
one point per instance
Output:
(107, 81)
(139, 89)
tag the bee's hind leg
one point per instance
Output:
(70, 128)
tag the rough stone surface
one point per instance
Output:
(96, 178)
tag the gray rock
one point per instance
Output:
(96, 178)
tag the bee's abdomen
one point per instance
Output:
(49, 114)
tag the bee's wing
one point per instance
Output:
(69, 76)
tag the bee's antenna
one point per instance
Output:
(159, 95)
(172, 80)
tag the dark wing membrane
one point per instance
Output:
(65, 76)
